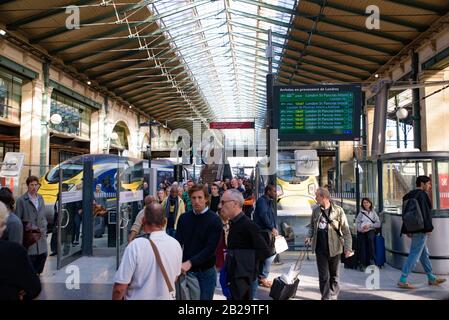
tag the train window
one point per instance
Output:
(69, 170)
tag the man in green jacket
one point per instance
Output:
(330, 236)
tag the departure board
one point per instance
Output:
(318, 112)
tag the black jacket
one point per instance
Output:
(246, 249)
(16, 273)
(426, 210)
(245, 235)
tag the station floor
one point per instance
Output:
(97, 273)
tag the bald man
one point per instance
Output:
(137, 226)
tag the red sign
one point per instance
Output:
(231, 125)
(443, 180)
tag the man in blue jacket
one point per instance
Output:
(265, 218)
(418, 248)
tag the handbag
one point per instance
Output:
(377, 230)
(164, 272)
(99, 210)
(280, 244)
(31, 234)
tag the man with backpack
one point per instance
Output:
(417, 225)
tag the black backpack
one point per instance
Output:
(412, 216)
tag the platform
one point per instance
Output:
(97, 273)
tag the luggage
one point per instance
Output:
(380, 251)
(280, 289)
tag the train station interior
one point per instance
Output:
(130, 96)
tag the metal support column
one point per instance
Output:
(380, 121)
(379, 186)
(270, 81)
(415, 103)
(44, 119)
(88, 199)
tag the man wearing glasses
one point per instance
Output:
(30, 207)
(246, 247)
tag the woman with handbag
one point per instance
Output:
(367, 223)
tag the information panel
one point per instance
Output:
(317, 112)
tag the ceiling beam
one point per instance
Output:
(422, 5)
(362, 13)
(42, 15)
(96, 19)
(290, 37)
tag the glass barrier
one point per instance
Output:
(398, 179)
(130, 180)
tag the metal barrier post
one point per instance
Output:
(88, 199)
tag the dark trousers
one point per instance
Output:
(38, 262)
(366, 247)
(54, 234)
(328, 273)
(77, 224)
(241, 289)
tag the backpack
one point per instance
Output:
(412, 218)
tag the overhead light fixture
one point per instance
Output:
(2, 32)
(130, 107)
(402, 113)
(88, 82)
(376, 75)
(56, 119)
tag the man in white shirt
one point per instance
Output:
(139, 276)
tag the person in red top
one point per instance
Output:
(222, 244)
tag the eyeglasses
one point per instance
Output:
(223, 202)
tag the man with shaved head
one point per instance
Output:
(138, 223)
(140, 275)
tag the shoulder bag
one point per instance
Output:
(164, 272)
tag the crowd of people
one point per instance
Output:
(188, 236)
(203, 219)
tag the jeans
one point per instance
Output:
(418, 249)
(265, 267)
(207, 280)
(254, 287)
(328, 274)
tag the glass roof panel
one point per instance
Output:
(222, 44)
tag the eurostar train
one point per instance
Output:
(105, 173)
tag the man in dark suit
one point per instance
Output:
(246, 248)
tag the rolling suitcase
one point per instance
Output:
(380, 251)
(280, 289)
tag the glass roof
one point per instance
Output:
(222, 45)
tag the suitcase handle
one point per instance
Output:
(302, 256)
